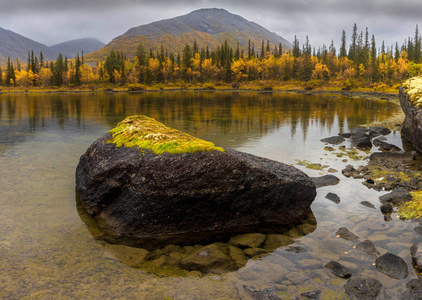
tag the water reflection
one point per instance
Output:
(218, 256)
(233, 115)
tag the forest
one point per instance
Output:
(361, 64)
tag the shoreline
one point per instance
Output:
(348, 93)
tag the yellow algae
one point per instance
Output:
(148, 134)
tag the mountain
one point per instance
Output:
(14, 45)
(85, 45)
(209, 27)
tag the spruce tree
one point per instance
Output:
(417, 46)
(353, 45)
(343, 52)
(58, 71)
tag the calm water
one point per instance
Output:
(47, 251)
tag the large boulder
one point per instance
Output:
(411, 103)
(147, 184)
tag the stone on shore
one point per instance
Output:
(147, 184)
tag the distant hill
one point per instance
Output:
(209, 27)
(70, 48)
(14, 45)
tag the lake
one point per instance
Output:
(47, 251)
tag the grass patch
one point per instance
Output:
(148, 134)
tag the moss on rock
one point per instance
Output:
(413, 208)
(413, 88)
(148, 134)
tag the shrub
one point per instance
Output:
(311, 84)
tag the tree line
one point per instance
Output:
(361, 63)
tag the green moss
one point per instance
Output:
(380, 175)
(413, 208)
(148, 134)
(308, 165)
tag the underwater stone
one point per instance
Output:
(338, 269)
(146, 199)
(392, 265)
(362, 288)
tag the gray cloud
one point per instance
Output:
(54, 21)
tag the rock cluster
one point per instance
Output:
(411, 103)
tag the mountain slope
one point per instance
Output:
(14, 45)
(209, 27)
(86, 45)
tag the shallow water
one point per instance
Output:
(47, 251)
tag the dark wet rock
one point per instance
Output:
(338, 269)
(306, 229)
(392, 265)
(360, 288)
(252, 252)
(416, 254)
(346, 234)
(388, 218)
(256, 294)
(418, 229)
(141, 198)
(335, 140)
(368, 247)
(315, 294)
(207, 258)
(275, 241)
(296, 249)
(390, 160)
(346, 135)
(412, 125)
(248, 240)
(368, 204)
(383, 146)
(333, 197)
(361, 140)
(370, 181)
(325, 180)
(359, 130)
(331, 170)
(377, 131)
(386, 208)
(377, 142)
(396, 197)
(348, 171)
(414, 290)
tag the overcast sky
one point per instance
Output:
(55, 21)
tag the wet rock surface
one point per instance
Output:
(325, 180)
(416, 254)
(346, 234)
(338, 269)
(141, 198)
(335, 140)
(368, 247)
(396, 197)
(414, 290)
(362, 288)
(333, 197)
(392, 265)
(412, 125)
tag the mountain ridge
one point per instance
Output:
(209, 27)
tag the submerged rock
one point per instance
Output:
(368, 247)
(346, 234)
(325, 180)
(414, 290)
(416, 254)
(144, 186)
(362, 288)
(335, 140)
(338, 269)
(392, 265)
(333, 197)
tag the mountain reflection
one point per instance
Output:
(209, 115)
